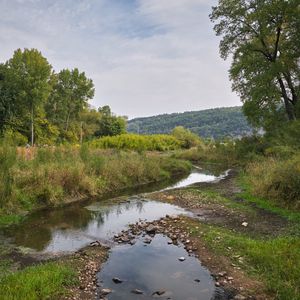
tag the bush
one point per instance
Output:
(187, 138)
(140, 143)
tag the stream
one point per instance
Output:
(149, 268)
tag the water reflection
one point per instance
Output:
(195, 177)
(155, 267)
(72, 227)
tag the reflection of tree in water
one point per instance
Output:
(36, 231)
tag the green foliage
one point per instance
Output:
(25, 89)
(186, 137)
(215, 123)
(109, 124)
(71, 91)
(46, 281)
(137, 142)
(14, 138)
(262, 37)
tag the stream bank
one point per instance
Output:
(223, 230)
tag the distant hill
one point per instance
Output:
(217, 123)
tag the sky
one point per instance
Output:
(145, 57)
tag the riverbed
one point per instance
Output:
(149, 268)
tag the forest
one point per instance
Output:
(217, 123)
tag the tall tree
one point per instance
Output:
(70, 94)
(262, 36)
(26, 86)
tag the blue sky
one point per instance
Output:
(145, 56)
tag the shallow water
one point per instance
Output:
(73, 227)
(196, 176)
(155, 267)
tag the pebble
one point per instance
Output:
(117, 280)
(106, 291)
(138, 292)
(181, 258)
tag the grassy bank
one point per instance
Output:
(276, 262)
(45, 177)
(45, 281)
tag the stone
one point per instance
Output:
(138, 292)
(106, 291)
(147, 240)
(181, 258)
(239, 297)
(151, 229)
(222, 274)
(159, 293)
(117, 280)
(197, 280)
(245, 224)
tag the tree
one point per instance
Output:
(70, 94)
(263, 38)
(25, 87)
(187, 138)
(110, 124)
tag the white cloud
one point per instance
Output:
(146, 57)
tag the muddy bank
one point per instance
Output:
(220, 203)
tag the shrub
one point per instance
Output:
(140, 143)
(187, 138)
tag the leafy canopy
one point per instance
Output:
(262, 37)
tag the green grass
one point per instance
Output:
(264, 203)
(45, 281)
(6, 220)
(275, 261)
(209, 197)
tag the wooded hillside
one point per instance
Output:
(217, 123)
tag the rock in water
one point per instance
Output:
(117, 280)
(181, 258)
(138, 292)
(151, 229)
(106, 291)
(159, 293)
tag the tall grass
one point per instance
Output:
(54, 176)
(277, 179)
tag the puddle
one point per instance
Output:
(155, 267)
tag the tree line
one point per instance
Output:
(40, 106)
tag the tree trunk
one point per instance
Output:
(32, 127)
(289, 107)
(67, 122)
